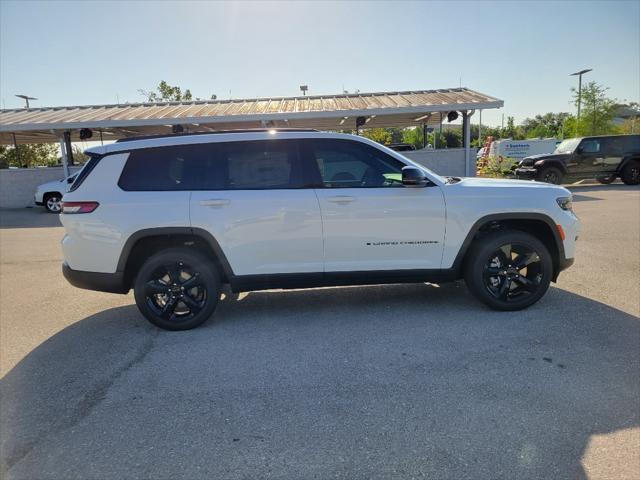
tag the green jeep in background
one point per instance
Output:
(604, 158)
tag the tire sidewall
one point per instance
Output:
(546, 170)
(47, 198)
(488, 244)
(205, 268)
(626, 173)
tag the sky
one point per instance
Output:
(80, 53)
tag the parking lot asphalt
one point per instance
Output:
(397, 381)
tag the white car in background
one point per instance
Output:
(49, 195)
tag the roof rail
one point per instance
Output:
(187, 134)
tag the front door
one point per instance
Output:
(370, 220)
(588, 160)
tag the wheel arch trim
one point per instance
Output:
(488, 219)
(169, 231)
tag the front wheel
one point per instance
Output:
(177, 289)
(550, 175)
(508, 269)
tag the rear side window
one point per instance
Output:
(271, 164)
(154, 169)
(268, 164)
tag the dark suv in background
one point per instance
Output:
(604, 158)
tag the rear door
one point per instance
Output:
(250, 197)
(370, 220)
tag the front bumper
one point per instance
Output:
(526, 172)
(102, 282)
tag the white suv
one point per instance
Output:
(176, 217)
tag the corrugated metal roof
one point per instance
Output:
(326, 112)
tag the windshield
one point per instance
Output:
(567, 146)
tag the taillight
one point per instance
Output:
(79, 207)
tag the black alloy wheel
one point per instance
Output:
(177, 289)
(508, 269)
(511, 272)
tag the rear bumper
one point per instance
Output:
(102, 282)
(526, 173)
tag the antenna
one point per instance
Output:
(26, 98)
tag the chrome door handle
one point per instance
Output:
(215, 202)
(341, 199)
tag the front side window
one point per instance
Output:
(350, 164)
(590, 146)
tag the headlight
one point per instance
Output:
(565, 203)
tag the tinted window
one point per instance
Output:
(258, 165)
(590, 146)
(153, 169)
(349, 164)
(267, 164)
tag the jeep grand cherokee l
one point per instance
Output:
(604, 158)
(176, 217)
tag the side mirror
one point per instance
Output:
(70, 179)
(579, 150)
(414, 177)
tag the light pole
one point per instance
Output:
(26, 98)
(303, 89)
(579, 74)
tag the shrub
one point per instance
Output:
(496, 167)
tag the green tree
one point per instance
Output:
(413, 136)
(596, 113)
(169, 93)
(29, 155)
(380, 135)
(544, 126)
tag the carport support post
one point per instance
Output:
(67, 142)
(63, 154)
(466, 138)
(470, 169)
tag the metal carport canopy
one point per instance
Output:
(323, 112)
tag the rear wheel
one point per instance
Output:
(550, 175)
(508, 270)
(631, 173)
(53, 202)
(177, 289)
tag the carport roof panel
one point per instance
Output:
(324, 111)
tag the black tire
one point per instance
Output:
(631, 173)
(177, 289)
(550, 175)
(52, 202)
(511, 288)
(606, 180)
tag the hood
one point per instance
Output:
(478, 182)
(532, 159)
(52, 184)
